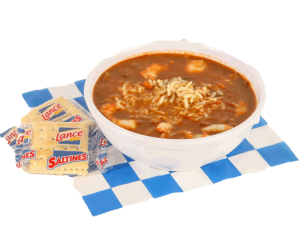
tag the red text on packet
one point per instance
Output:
(19, 164)
(52, 110)
(12, 135)
(29, 155)
(54, 162)
(28, 133)
(69, 135)
(103, 142)
(102, 162)
(20, 139)
(77, 119)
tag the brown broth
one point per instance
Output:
(237, 89)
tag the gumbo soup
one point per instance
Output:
(171, 95)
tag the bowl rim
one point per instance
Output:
(90, 103)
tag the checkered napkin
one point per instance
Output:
(131, 182)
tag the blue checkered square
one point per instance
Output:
(161, 185)
(82, 102)
(80, 85)
(277, 154)
(102, 202)
(245, 146)
(37, 97)
(121, 174)
(220, 170)
(128, 158)
(261, 123)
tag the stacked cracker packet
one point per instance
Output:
(59, 138)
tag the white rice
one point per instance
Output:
(161, 100)
(186, 104)
(169, 90)
(188, 96)
(220, 92)
(181, 89)
(213, 95)
(223, 106)
(172, 98)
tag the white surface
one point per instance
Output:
(144, 172)
(244, 162)
(265, 136)
(175, 155)
(117, 159)
(132, 193)
(70, 90)
(191, 179)
(91, 184)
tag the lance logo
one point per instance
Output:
(23, 137)
(104, 142)
(10, 135)
(74, 119)
(20, 138)
(28, 135)
(52, 111)
(69, 136)
(61, 158)
(102, 162)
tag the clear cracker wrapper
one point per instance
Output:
(10, 136)
(60, 148)
(59, 137)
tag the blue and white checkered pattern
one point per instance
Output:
(131, 182)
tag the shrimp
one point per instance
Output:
(196, 66)
(108, 109)
(164, 127)
(217, 128)
(205, 135)
(197, 135)
(188, 134)
(151, 71)
(147, 84)
(127, 124)
(241, 109)
(175, 120)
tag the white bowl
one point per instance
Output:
(176, 154)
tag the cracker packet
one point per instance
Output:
(10, 135)
(59, 148)
(103, 163)
(16, 138)
(66, 109)
(61, 109)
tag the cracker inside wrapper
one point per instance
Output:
(59, 137)
(61, 109)
(61, 148)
